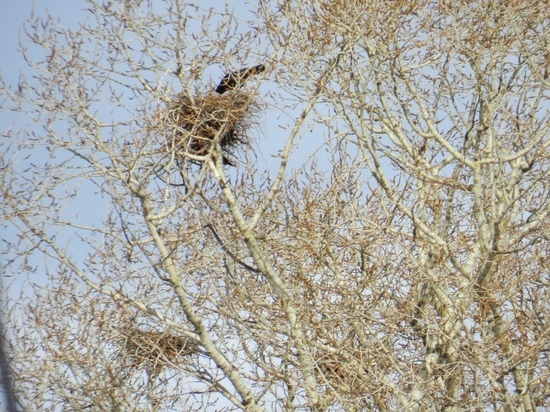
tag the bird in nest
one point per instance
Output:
(235, 79)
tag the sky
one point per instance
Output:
(12, 18)
(12, 63)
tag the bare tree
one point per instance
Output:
(392, 254)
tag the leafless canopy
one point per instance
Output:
(380, 245)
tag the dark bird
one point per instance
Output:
(235, 79)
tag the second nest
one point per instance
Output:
(200, 126)
(153, 351)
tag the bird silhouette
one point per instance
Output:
(235, 79)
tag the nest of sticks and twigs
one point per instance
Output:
(202, 126)
(152, 350)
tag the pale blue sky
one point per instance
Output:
(12, 17)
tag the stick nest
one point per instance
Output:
(197, 125)
(153, 350)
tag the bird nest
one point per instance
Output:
(201, 126)
(153, 350)
(345, 373)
